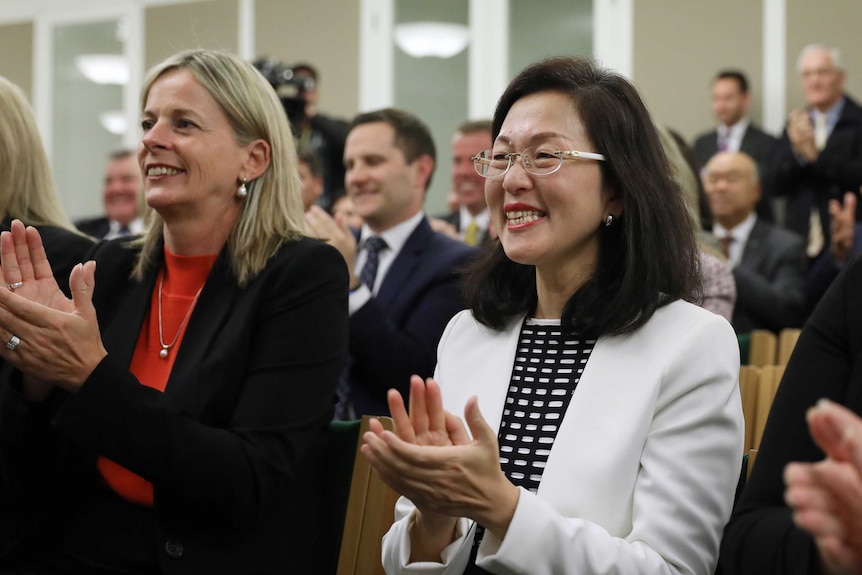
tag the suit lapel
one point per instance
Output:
(754, 252)
(205, 323)
(120, 336)
(406, 264)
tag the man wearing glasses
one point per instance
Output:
(819, 157)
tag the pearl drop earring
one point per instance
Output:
(243, 190)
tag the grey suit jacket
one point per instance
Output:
(770, 280)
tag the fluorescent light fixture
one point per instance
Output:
(436, 39)
(114, 122)
(103, 68)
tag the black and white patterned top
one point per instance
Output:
(548, 366)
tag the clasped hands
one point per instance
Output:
(433, 461)
(800, 132)
(60, 343)
(826, 497)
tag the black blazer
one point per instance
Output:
(94, 227)
(395, 334)
(838, 169)
(761, 538)
(231, 446)
(770, 280)
(757, 144)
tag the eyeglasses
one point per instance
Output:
(537, 160)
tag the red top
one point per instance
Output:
(184, 277)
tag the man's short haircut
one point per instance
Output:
(736, 75)
(475, 127)
(412, 136)
(307, 156)
(121, 154)
(306, 69)
(834, 55)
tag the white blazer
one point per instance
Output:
(641, 476)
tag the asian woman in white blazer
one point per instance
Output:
(602, 425)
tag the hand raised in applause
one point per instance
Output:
(826, 497)
(431, 460)
(335, 232)
(842, 226)
(60, 343)
(801, 134)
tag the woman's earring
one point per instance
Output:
(243, 190)
(609, 220)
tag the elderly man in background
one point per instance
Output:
(819, 157)
(768, 262)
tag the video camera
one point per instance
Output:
(291, 88)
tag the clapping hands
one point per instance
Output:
(57, 340)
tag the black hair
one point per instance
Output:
(736, 75)
(647, 257)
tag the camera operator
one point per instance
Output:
(297, 87)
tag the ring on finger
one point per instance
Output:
(13, 342)
(14, 286)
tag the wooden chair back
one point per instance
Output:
(763, 348)
(786, 342)
(370, 513)
(757, 387)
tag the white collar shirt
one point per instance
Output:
(733, 134)
(395, 238)
(136, 227)
(482, 219)
(740, 234)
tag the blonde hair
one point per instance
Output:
(272, 212)
(26, 186)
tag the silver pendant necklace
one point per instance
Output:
(163, 353)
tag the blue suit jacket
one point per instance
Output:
(395, 334)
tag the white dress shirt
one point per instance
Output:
(740, 234)
(733, 134)
(395, 238)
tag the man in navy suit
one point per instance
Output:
(768, 262)
(819, 157)
(735, 132)
(404, 278)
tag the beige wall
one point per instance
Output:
(324, 33)
(16, 62)
(834, 23)
(169, 29)
(678, 48)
